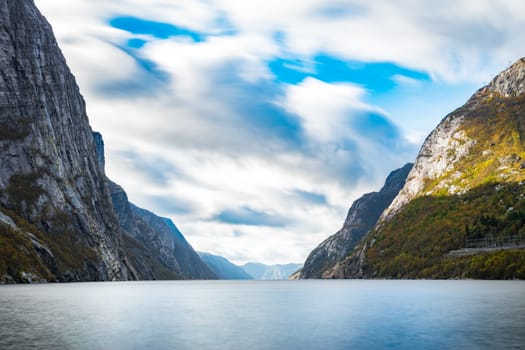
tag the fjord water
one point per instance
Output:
(349, 314)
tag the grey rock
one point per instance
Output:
(169, 245)
(8, 221)
(99, 150)
(7, 279)
(510, 82)
(49, 174)
(361, 218)
(52, 180)
(446, 145)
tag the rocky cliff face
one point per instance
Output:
(446, 145)
(49, 178)
(58, 221)
(361, 218)
(173, 255)
(450, 142)
(465, 190)
(510, 82)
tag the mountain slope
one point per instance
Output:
(361, 218)
(163, 252)
(50, 182)
(223, 268)
(58, 221)
(270, 272)
(464, 191)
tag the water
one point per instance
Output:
(264, 315)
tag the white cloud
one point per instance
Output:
(324, 107)
(220, 134)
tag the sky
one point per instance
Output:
(254, 125)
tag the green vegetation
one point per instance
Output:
(147, 258)
(415, 243)
(69, 246)
(488, 204)
(58, 230)
(17, 255)
(72, 253)
(497, 125)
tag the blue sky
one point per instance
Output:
(254, 125)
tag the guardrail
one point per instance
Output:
(495, 242)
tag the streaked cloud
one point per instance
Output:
(251, 217)
(254, 124)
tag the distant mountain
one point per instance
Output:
(270, 272)
(461, 212)
(223, 268)
(361, 218)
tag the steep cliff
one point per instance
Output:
(171, 253)
(361, 218)
(50, 183)
(482, 121)
(461, 213)
(61, 219)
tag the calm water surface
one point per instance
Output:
(264, 315)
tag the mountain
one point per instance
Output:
(58, 221)
(223, 268)
(163, 253)
(461, 213)
(54, 199)
(361, 218)
(270, 272)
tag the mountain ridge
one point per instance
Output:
(466, 187)
(48, 167)
(361, 218)
(223, 268)
(58, 221)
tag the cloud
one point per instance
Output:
(167, 204)
(255, 124)
(249, 216)
(310, 197)
(335, 114)
(154, 168)
(423, 35)
(339, 9)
